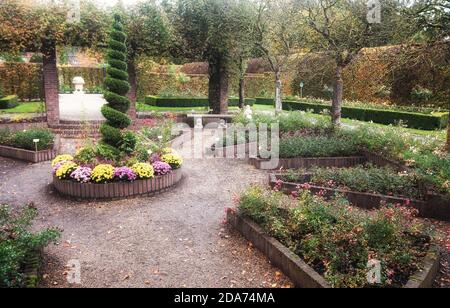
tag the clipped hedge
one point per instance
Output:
(190, 101)
(433, 121)
(8, 102)
(265, 101)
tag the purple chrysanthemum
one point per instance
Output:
(82, 174)
(125, 174)
(155, 158)
(161, 168)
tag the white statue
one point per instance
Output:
(78, 83)
(248, 112)
(198, 123)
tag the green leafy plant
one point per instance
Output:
(338, 240)
(372, 179)
(117, 86)
(425, 155)
(316, 146)
(25, 139)
(17, 243)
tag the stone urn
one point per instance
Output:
(78, 83)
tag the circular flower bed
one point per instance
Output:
(107, 181)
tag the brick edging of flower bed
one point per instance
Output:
(427, 208)
(27, 155)
(117, 190)
(300, 273)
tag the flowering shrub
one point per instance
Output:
(82, 174)
(161, 168)
(143, 170)
(61, 158)
(102, 173)
(338, 240)
(174, 160)
(65, 170)
(125, 173)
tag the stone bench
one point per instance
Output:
(199, 120)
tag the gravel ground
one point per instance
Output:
(176, 239)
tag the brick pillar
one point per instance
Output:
(133, 88)
(51, 84)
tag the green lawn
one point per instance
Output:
(33, 107)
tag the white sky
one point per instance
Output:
(113, 2)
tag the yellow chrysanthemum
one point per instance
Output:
(174, 160)
(143, 170)
(61, 158)
(66, 170)
(102, 173)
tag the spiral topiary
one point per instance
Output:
(117, 86)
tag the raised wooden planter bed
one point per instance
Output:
(118, 190)
(27, 155)
(300, 273)
(429, 208)
(307, 162)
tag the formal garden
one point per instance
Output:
(224, 144)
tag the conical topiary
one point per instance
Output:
(117, 87)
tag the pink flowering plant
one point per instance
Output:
(161, 168)
(82, 174)
(125, 174)
(338, 240)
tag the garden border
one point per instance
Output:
(27, 155)
(427, 208)
(117, 190)
(306, 162)
(301, 274)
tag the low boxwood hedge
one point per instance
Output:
(8, 102)
(172, 102)
(265, 101)
(433, 121)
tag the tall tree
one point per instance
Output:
(42, 26)
(431, 20)
(341, 28)
(279, 37)
(208, 30)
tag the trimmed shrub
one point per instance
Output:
(9, 102)
(264, 101)
(432, 121)
(117, 86)
(115, 117)
(186, 102)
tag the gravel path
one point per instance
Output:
(176, 239)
